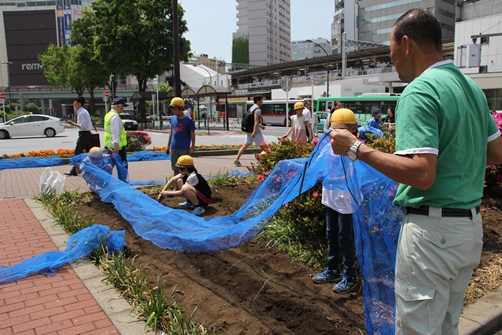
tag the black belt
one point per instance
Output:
(448, 212)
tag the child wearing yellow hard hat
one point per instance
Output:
(339, 223)
(299, 125)
(189, 184)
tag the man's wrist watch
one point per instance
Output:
(352, 152)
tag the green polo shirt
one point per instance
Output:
(444, 112)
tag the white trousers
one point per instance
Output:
(435, 259)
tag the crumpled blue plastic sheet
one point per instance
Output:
(133, 157)
(376, 220)
(29, 162)
(32, 162)
(78, 245)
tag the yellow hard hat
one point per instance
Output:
(343, 118)
(299, 105)
(177, 102)
(184, 161)
(94, 149)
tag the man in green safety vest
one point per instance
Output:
(115, 135)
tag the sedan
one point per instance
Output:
(31, 125)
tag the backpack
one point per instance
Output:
(248, 120)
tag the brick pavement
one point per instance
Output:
(59, 304)
(74, 300)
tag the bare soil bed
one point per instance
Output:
(253, 289)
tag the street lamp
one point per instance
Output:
(327, 65)
(8, 83)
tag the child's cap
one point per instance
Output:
(343, 118)
(299, 105)
(185, 161)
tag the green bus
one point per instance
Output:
(362, 105)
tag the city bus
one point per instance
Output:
(274, 111)
(362, 105)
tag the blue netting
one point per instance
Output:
(79, 245)
(134, 157)
(29, 162)
(32, 162)
(376, 220)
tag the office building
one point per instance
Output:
(369, 22)
(263, 33)
(306, 49)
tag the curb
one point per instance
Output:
(484, 316)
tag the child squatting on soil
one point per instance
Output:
(189, 184)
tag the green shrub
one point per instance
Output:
(32, 108)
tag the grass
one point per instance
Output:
(150, 301)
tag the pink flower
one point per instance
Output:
(315, 194)
(269, 149)
(316, 140)
(260, 178)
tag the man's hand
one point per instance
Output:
(167, 150)
(191, 150)
(341, 141)
(253, 134)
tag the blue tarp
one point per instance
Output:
(78, 245)
(376, 220)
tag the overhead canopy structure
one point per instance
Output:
(188, 93)
(213, 90)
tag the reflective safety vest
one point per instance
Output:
(108, 131)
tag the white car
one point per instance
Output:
(129, 122)
(31, 125)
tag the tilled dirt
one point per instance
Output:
(251, 289)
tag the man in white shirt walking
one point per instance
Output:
(84, 125)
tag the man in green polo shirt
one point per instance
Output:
(445, 137)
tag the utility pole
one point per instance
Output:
(176, 48)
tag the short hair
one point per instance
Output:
(257, 98)
(80, 99)
(421, 26)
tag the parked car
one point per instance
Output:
(129, 122)
(31, 125)
(321, 119)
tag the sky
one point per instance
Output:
(211, 24)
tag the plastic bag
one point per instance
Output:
(51, 182)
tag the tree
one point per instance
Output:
(55, 65)
(134, 37)
(240, 50)
(87, 70)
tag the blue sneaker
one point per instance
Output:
(346, 285)
(198, 210)
(327, 276)
(186, 204)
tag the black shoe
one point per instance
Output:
(71, 173)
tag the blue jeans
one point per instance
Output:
(340, 235)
